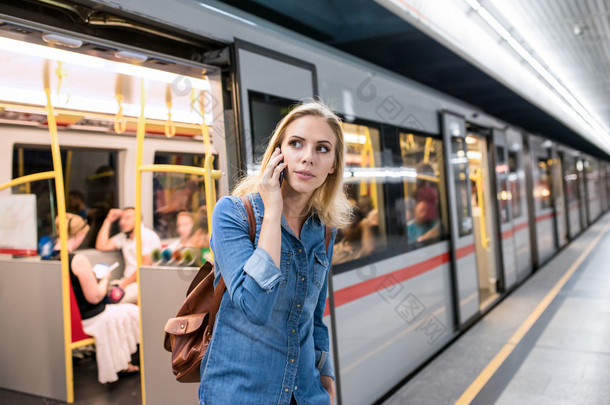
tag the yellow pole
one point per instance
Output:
(478, 178)
(63, 236)
(138, 223)
(68, 171)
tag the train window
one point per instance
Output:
(90, 181)
(424, 192)
(459, 160)
(367, 232)
(514, 184)
(179, 203)
(265, 112)
(542, 190)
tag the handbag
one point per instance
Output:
(188, 335)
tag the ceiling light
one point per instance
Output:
(62, 40)
(46, 52)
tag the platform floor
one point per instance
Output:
(547, 343)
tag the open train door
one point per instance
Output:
(267, 84)
(463, 259)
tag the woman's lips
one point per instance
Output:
(304, 175)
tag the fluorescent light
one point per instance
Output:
(598, 129)
(46, 52)
(354, 138)
(474, 155)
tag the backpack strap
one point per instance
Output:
(221, 287)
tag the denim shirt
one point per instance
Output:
(269, 341)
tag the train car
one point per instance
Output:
(499, 201)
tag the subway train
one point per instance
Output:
(454, 208)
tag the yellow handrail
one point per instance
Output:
(477, 177)
(209, 175)
(27, 179)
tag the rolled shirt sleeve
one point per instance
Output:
(261, 268)
(324, 364)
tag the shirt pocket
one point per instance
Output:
(285, 261)
(320, 267)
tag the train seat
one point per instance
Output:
(79, 337)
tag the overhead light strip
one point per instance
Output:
(546, 75)
(46, 52)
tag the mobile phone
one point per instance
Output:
(282, 173)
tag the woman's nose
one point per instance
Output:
(308, 154)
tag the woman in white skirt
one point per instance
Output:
(115, 327)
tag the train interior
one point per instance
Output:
(101, 98)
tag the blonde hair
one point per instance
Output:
(76, 224)
(329, 201)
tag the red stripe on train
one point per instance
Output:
(546, 216)
(367, 287)
(18, 252)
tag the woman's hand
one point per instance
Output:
(269, 187)
(329, 385)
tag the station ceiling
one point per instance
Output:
(367, 30)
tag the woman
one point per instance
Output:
(116, 328)
(270, 344)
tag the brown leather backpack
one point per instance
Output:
(188, 335)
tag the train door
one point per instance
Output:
(561, 215)
(582, 192)
(572, 200)
(264, 98)
(602, 186)
(464, 264)
(482, 198)
(518, 204)
(544, 213)
(504, 208)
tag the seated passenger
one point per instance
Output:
(116, 328)
(76, 203)
(423, 226)
(201, 236)
(357, 239)
(126, 242)
(184, 229)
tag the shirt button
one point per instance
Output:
(300, 250)
(292, 360)
(298, 305)
(286, 390)
(296, 388)
(302, 278)
(293, 331)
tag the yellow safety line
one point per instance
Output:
(28, 179)
(63, 235)
(482, 379)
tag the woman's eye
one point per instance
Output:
(295, 144)
(323, 149)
